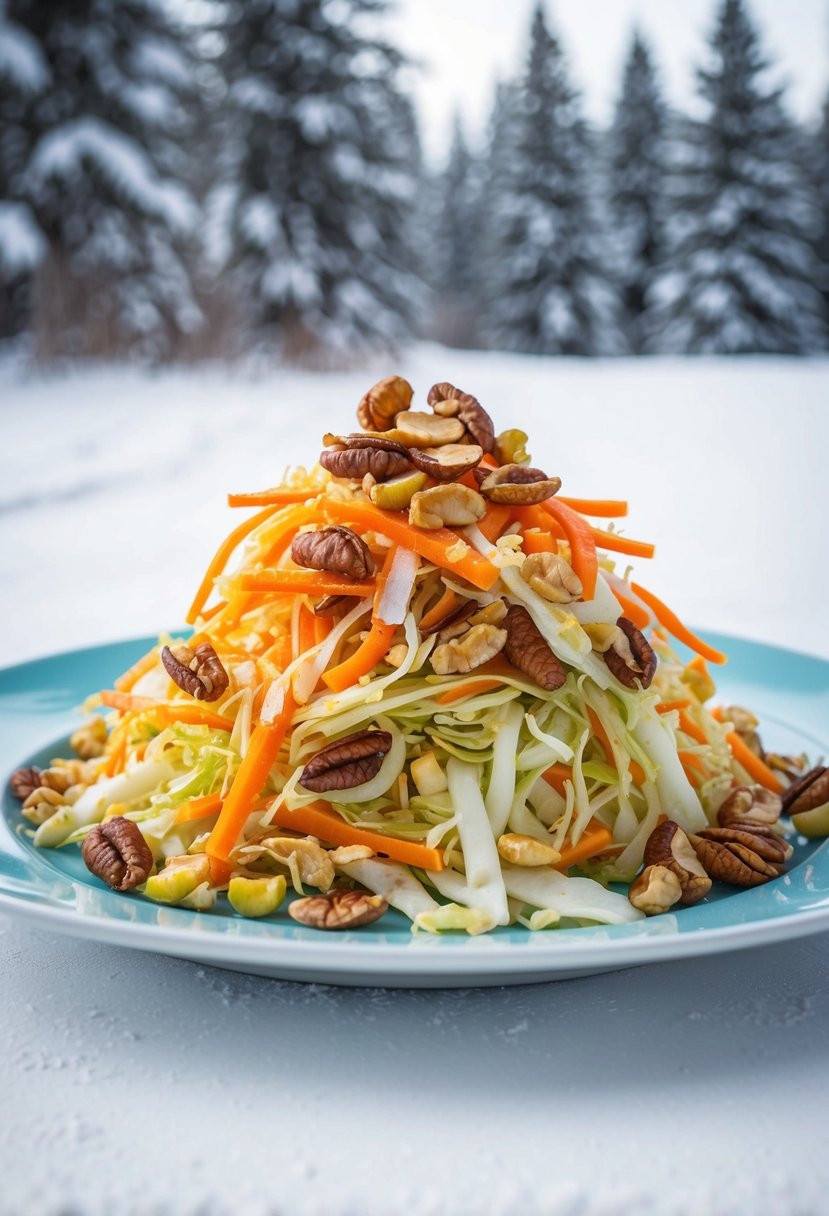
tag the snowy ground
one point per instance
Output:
(112, 482)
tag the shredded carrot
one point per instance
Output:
(309, 582)
(695, 770)
(124, 701)
(322, 628)
(633, 611)
(318, 819)
(307, 632)
(495, 520)
(251, 776)
(168, 712)
(667, 706)
(439, 546)
(221, 557)
(285, 528)
(539, 542)
(368, 655)
(118, 756)
(268, 498)
(536, 517)
(753, 765)
(636, 771)
(469, 689)
(599, 508)
(582, 544)
(674, 625)
(689, 726)
(622, 544)
(442, 608)
(595, 839)
(556, 775)
(198, 808)
(131, 677)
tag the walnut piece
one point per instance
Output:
(449, 401)
(518, 485)
(522, 850)
(749, 804)
(347, 763)
(88, 741)
(41, 804)
(338, 910)
(116, 852)
(812, 790)
(336, 549)
(24, 781)
(527, 650)
(446, 504)
(356, 461)
(65, 773)
(551, 577)
(379, 407)
(301, 854)
(449, 462)
(655, 890)
(477, 646)
(740, 857)
(199, 672)
(669, 846)
(630, 657)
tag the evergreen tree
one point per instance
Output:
(821, 179)
(548, 291)
(320, 181)
(740, 276)
(455, 245)
(107, 140)
(637, 171)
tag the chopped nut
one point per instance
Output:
(811, 791)
(669, 846)
(449, 462)
(395, 495)
(526, 850)
(338, 910)
(73, 772)
(731, 859)
(417, 430)
(353, 461)
(336, 549)
(41, 804)
(655, 890)
(511, 447)
(116, 852)
(446, 504)
(199, 672)
(458, 616)
(551, 577)
(745, 725)
(397, 654)
(348, 762)
(449, 401)
(749, 804)
(490, 614)
(527, 650)
(477, 646)
(305, 858)
(179, 879)
(89, 740)
(379, 407)
(631, 658)
(518, 485)
(347, 853)
(24, 781)
(792, 767)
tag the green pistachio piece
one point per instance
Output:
(397, 493)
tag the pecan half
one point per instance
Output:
(655, 890)
(733, 861)
(517, 485)
(527, 650)
(336, 549)
(476, 647)
(199, 672)
(448, 462)
(757, 836)
(631, 658)
(811, 791)
(24, 781)
(356, 461)
(669, 846)
(749, 804)
(338, 910)
(449, 401)
(347, 763)
(383, 402)
(116, 851)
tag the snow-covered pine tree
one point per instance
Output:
(636, 186)
(455, 245)
(821, 179)
(547, 287)
(107, 149)
(322, 179)
(740, 276)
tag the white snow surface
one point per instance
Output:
(22, 244)
(21, 59)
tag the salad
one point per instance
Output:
(421, 677)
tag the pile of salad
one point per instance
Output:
(421, 677)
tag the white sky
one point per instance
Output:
(465, 44)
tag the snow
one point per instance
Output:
(121, 160)
(21, 59)
(22, 244)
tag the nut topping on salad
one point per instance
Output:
(735, 860)
(655, 890)
(527, 650)
(521, 850)
(631, 658)
(116, 851)
(474, 648)
(517, 485)
(24, 781)
(552, 578)
(809, 792)
(338, 910)
(347, 763)
(448, 462)
(444, 505)
(669, 846)
(449, 401)
(199, 672)
(89, 740)
(749, 804)
(382, 403)
(355, 461)
(336, 549)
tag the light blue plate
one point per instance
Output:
(788, 691)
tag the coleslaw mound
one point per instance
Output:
(450, 698)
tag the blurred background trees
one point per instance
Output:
(253, 181)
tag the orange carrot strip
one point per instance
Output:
(251, 777)
(595, 839)
(118, 756)
(469, 689)
(285, 527)
(633, 611)
(494, 522)
(753, 765)
(622, 544)
(582, 544)
(667, 706)
(221, 557)
(365, 657)
(674, 625)
(636, 771)
(124, 701)
(442, 608)
(268, 498)
(435, 546)
(317, 819)
(166, 711)
(131, 677)
(322, 628)
(198, 808)
(556, 775)
(695, 770)
(600, 508)
(306, 630)
(689, 726)
(536, 517)
(311, 582)
(539, 542)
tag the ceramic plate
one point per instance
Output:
(38, 700)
